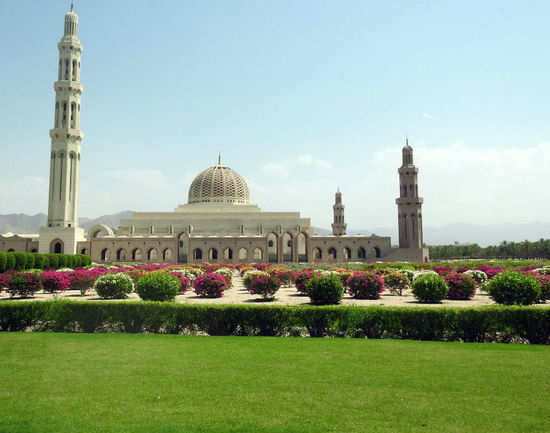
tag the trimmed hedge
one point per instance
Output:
(478, 324)
(20, 261)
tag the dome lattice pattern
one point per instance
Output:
(219, 184)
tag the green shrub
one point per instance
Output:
(85, 260)
(365, 285)
(77, 261)
(23, 284)
(20, 260)
(477, 324)
(53, 261)
(10, 261)
(429, 288)
(397, 281)
(41, 261)
(114, 286)
(63, 261)
(29, 260)
(158, 286)
(3, 262)
(325, 289)
(514, 288)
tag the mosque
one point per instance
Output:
(218, 223)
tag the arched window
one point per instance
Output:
(361, 253)
(105, 255)
(167, 255)
(228, 254)
(57, 247)
(377, 252)
(347, 253)
(212, 254)
(258, 254)
(137, 255)
(272, 248)
(332, 253)
(197, 254)
(317, 254)
(301, 247)
(287, 248)
(243, 254)
(83, 251)
(152, 254)
(121, 255)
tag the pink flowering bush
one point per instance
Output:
(544, 281)
(184, 282)
(265, 286)
(23, 284)
(461, 286)
(442, 270)
(285, 276)
(83, 279)
(303, 277)
(491, 271)
(365, 285)
(210, 285)
(54, 281)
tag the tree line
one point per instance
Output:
(512, 250)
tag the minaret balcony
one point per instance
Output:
(58, 133)
(409, 201)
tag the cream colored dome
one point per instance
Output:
(219, 184)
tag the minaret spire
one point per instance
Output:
(219, 158)
(339, 225)
(409, 204)
(63, 232)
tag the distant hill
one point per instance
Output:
(21, 223)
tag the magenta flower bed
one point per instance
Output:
(210, 285)
(491, 271)
(461, 286)
(185, 283)
(55, 281)
(365, 285)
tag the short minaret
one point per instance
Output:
(339, 225)
(63, 232)
(409, 204)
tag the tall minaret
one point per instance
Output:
(409, 204)
(66, 138)
(339, 225)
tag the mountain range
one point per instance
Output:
(489, 234)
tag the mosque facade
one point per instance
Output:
(218, 223)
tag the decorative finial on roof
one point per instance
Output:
(72, 5)
(219, 158)
(406, 140)
(338, 189)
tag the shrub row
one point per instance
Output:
(20, 261)
(482, 324)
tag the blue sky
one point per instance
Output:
(299, 96)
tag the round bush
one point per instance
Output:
(266, 286)
(302, 278)
(325, 289)
(82, 279)
(210, 285)
(54, 281)
(22, 283)
(397, 282)
(429, 288)
(510, 288)
(114, 286)
(365, 285)
(479, 277)
(461, 286)
(158, 286)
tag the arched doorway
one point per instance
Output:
(56, 247)
(137, 255)
(258, 255)
(377, 252)
(105, 255)
(167, 255)
(197, 254)
(301, 249)
(332, 254)
(121, 255)
(152, 254)
(272, 248)
(182, 250)
(347, 253)
(317, 254)
(287, 248)
(212, 254)
(361, 253)
(243, 254)
(228, 254)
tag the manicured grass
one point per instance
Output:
(168, 383)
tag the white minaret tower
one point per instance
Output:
(409, 204)
(62, 232)
(338, 225)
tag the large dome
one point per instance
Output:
(219, 184)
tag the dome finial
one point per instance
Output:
(72, 5)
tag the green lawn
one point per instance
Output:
(156, 383)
